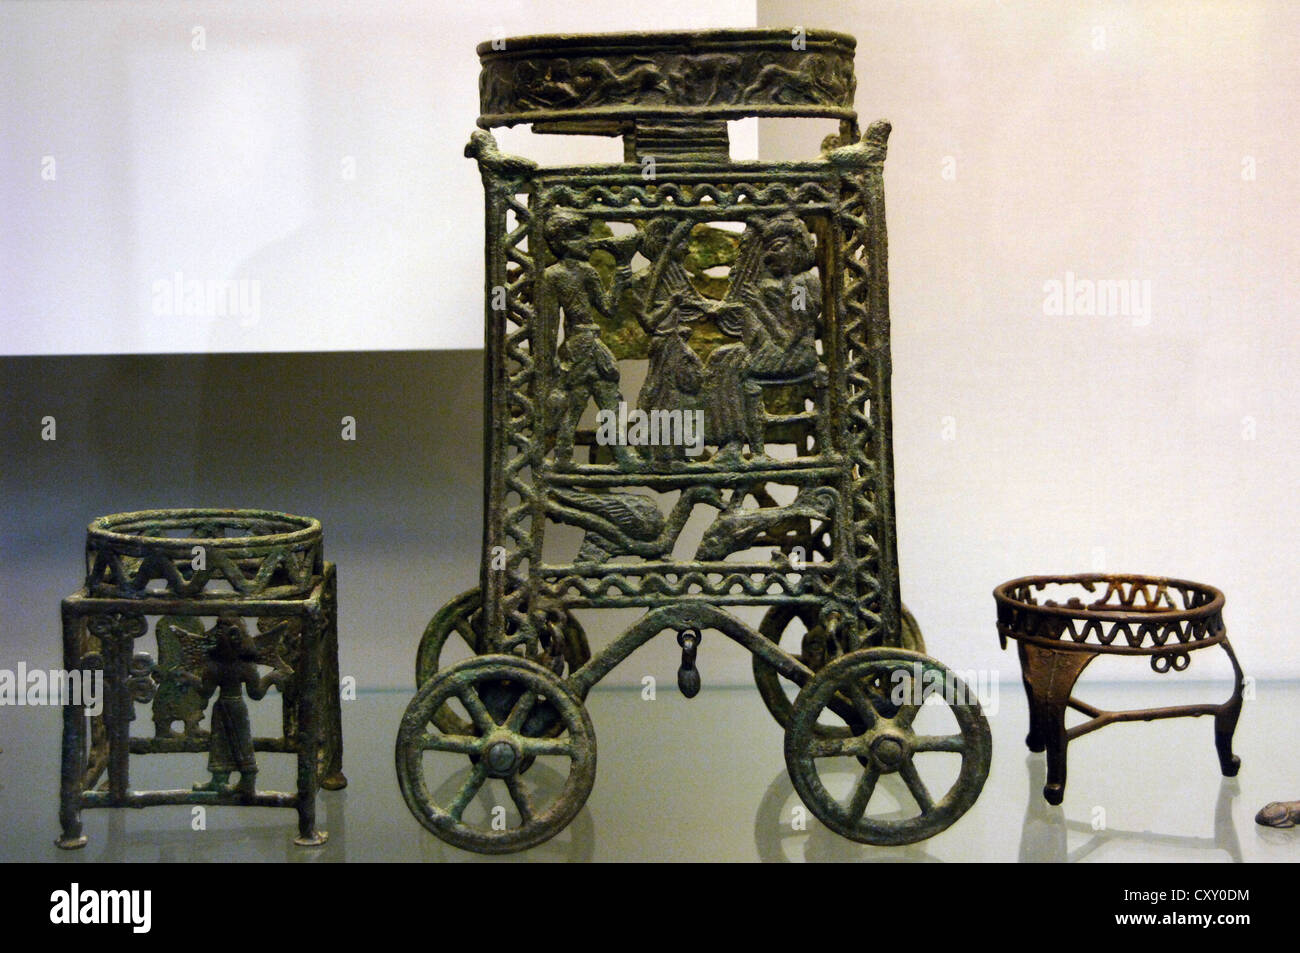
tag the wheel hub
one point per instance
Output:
(502, 758)
(888, 752)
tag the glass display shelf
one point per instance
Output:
(705, 780)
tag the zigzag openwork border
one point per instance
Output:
(864, 369)
(670, 196)
(654, 587)
(1140, 613)
(522, 442)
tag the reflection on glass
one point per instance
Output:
(1045, 834)
(786, 832)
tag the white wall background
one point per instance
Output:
(314, 150)
(1114, 141)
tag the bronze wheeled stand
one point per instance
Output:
(671, 337)
(1162, 619)
(178, 568)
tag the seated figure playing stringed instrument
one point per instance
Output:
(773, 308)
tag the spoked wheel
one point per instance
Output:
(457, 627)
(886, 688)
(455, 623)
(517, 711)
(576, 843)
(815, 650)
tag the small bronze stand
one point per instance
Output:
(177, 568)
(1162, 619)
